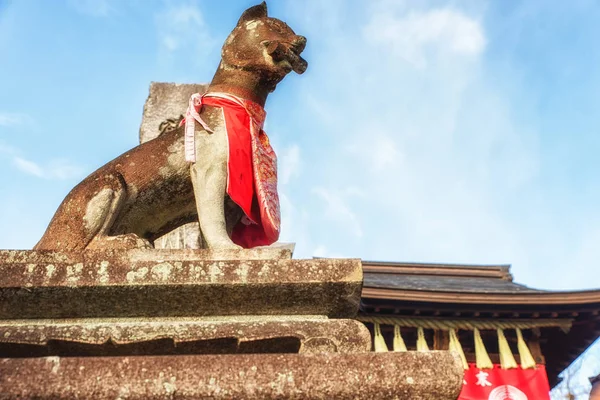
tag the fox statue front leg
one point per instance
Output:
(209, 179)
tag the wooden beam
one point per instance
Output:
(441, 339)
(534, 347)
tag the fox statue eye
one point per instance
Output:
(280, 27)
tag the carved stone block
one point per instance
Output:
(165, 100)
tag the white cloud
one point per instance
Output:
(411, 35)
(13, 119)
(295, 226)
(337, 208)
(438, 160)
(320, 251)
(377, 149)
(94, 8)
(290, 164)
(59, 169)
(63, 169)
(7, 149)
(170, 43)
(56, 169)
(323, 252)
(182, 27)
(29, 167)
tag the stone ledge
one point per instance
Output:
(20, 338)
(369, 376)
(275, 252)
(117, 284)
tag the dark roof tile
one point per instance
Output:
(443, 283)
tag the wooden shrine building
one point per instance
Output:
(438, 298)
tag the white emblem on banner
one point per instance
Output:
(507, 392)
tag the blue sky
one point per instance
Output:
(442, 131)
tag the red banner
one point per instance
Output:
(505, 384)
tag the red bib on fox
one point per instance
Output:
(252, 165)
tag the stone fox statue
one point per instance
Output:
(154, 188)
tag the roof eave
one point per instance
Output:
(591, 297)
(431, 269)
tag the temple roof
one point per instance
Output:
(476, 284)
(455, 292)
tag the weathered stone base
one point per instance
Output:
(151, 336)
(184, 283)
(372, 376)
(197, 324)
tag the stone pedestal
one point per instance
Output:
(192, 324)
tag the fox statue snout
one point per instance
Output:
(289, 52)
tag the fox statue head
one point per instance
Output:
(264, 46)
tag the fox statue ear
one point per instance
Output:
(254, 12)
